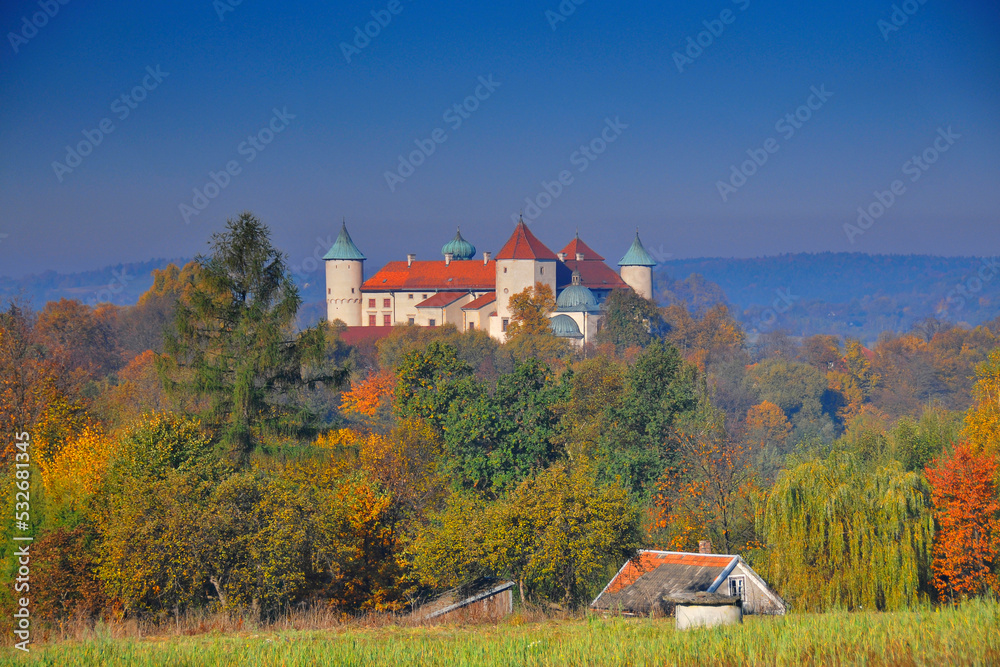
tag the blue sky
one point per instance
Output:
(221, 80)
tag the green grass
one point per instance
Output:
(969, 635)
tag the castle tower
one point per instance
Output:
(521, 262)
(637, 269)
(344, 274)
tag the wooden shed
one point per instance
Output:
(487, 599)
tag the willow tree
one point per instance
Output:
(841, 535)
(235, 344)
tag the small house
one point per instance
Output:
(642, 584)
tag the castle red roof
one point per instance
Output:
(441, 299)
(481, 302)
(522, 244)
(355, 335)
(461, 275)
(577, 246)
(595, 275)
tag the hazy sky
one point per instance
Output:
(665, 98)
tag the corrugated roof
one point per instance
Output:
(441, 299)
(522, 244)
(650, 560)
(481, 302)
(460, 275)
(577, 246)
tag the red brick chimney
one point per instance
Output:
(704, 546)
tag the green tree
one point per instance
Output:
(842, 533)
(630, 320)
(234, 341)
(430, 380)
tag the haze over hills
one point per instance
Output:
(848, 294)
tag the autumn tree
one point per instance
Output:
(982, 421)
(234, 341)
(529, 335)
(967, 510)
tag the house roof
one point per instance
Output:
(481, 302)
(355, 335)
(343, 248)
(577, 246)
(522, 244)
(643, 582)
(441, 299)
(460, 275)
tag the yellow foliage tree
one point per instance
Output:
(982, 421)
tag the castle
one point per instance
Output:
(475, 293)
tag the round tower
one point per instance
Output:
(637, 269)
(345, 273)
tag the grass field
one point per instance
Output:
(969, 635)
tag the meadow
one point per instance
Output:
(967, 635)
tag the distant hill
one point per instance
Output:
(849, 294)
(121, 284)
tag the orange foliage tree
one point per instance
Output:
(967, 542)
(366, 397)
(767, 426)
(712, 493)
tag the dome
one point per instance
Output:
(577, 298)
(565, 326)
(459, 247)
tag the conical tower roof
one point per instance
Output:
(522, 244)
(637, 255)
(343, 247)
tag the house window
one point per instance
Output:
(387, 320)
(371, 320)
(503, 324)
(371, 303)
(410, 320)
(736, 586)
(386, 303)
(432, 323)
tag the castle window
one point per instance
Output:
(505, 269)
(423, 296)
(352, 290)
(410, 320)
(410, 295)
(432, 323)
(387, 320)
(328, 290)
(371, 303)
(371, 320)
(503, 324)
(386, 303)
(472, 326)
(541, 270)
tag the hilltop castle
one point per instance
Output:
(475, 293)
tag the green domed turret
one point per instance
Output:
(459, 247)
(577, 298)
(565, 326)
